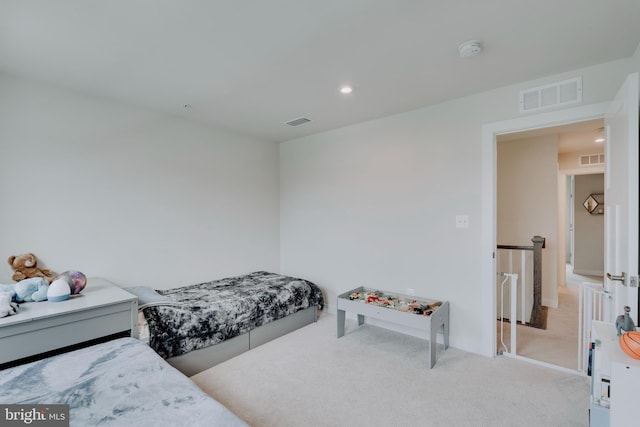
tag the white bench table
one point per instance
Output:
(438, 320)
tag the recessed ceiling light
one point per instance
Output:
(346, 89)
(599, 140)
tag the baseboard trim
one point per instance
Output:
(546, 365)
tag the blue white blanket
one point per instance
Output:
(117, 383)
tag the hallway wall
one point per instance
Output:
(588, 236)
(528, 203)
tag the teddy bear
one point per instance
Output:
(25, 266)
(27, 290)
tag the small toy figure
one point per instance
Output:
(624, 322)
(372, 298)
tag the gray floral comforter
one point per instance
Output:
(202, 315)
(117, 383)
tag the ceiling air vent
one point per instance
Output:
(298, 122)
(553, 95)
(592, 159)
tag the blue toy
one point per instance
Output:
(33, 289)
(624, 322)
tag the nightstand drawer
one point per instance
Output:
(102, 311)
(50, 333)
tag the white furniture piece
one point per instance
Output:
(615, 378)
(100, 312)
(438, 320)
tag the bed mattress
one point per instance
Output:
(198, 316)
(117, 383)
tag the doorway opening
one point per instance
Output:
(491, 132)
(542, 181)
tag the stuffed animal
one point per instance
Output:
(624, 322)
(27, 290)
(7, 307)
(25, 266)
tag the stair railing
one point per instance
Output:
(512, 281)
(531, 296)
(594, 304)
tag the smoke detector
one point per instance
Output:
(470, 48)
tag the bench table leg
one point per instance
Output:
(341, 314)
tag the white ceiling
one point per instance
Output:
(251, 65)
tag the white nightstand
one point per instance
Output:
(101, 311)
(614, 380)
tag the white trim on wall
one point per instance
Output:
(489, 224)
(585, 171)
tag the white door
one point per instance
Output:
(621, 198)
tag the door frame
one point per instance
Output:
(490, 132)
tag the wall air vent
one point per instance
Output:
(554, 95)
(298, 122)
(591, 159)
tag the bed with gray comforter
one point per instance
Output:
(117, 383)
(199, 316)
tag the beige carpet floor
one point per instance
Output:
(376, 377)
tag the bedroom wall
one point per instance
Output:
(375, 203)
(131, 195)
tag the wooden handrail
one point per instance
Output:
(524, 248)
(516, 247)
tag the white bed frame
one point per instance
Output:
(198, 360)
